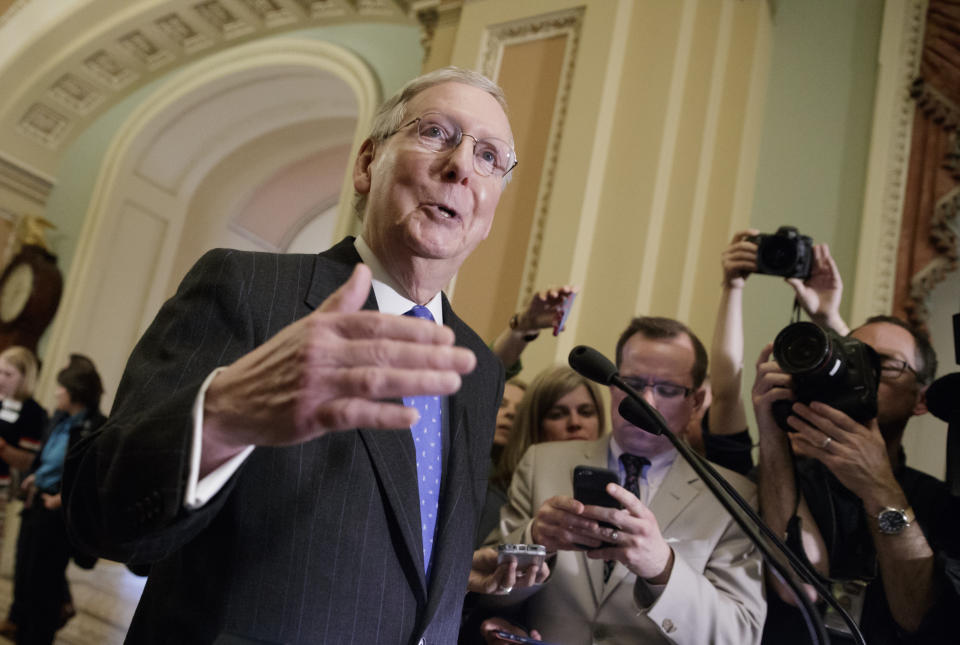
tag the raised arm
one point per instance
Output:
(726, 413)
(779, 498)
(542, 312)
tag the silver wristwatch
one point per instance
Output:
(892, 521)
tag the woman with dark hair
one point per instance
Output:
(42, 547)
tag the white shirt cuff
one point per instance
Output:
(200, 492)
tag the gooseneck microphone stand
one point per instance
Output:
(593, 365)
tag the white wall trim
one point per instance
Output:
(901, 45)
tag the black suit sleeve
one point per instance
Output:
(124, 485)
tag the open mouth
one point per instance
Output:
(447, 212)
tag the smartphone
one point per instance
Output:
(565, 309)
(517, 638)
(590, 487)
(525, 554)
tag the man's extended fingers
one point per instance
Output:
(386, 382)
(373, 324)
(384, 352)
(349, 413)
(352, 294)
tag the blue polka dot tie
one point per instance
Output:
(428, 440)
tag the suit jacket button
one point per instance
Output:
(668, 626)
(599, 633)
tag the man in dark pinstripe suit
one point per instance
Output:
(252, 457)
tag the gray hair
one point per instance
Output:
(392, 113)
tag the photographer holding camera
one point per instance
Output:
(882, 532)
(810, 270)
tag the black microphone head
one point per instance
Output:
(642, 415)
(591, 364)
(943, 396)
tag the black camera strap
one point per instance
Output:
(795, 317)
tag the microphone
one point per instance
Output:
(593, 365)
(641, 414)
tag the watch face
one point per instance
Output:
(892, 520)
(16, 292)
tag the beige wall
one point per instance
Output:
(649, 148)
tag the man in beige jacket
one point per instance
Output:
(675, 568)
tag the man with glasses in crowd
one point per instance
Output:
(885, 530)
(253, 457)
(674, 567)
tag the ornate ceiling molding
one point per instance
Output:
(22, 181)
(102, 64)
(567, 23)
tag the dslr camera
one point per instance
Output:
(785, 253)
(840, 371)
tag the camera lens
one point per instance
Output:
(778, 253)
(801, 347)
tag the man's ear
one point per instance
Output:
(698, 397)
(361, 167)
(920, 407)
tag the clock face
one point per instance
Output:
(16, 292)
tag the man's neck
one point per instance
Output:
(419, 279)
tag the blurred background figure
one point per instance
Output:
(41, 602)
(22, 421)
(512, 395)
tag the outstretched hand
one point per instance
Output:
(329, 371)
(545, 308)
(821, 293)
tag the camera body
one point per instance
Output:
(840, 371)
(786, 253)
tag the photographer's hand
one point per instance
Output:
(821, 293)
(857, 455)
(739, 259)
(777, 487)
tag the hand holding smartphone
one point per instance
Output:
(590, 488)
(561, 322)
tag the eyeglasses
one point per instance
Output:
(891, 368)
(662, 390)
(440, 133)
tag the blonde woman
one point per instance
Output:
(558, 405)
(22, 420)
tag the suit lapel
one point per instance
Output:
(454, 522)
(674, 494)
(678, 489)
(391, 452)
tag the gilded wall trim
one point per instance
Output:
(567, 23)
(887, 171)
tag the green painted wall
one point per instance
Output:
(814, 147)
(392, 51)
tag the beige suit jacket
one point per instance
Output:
(715, 591)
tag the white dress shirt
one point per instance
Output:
(389, 301)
